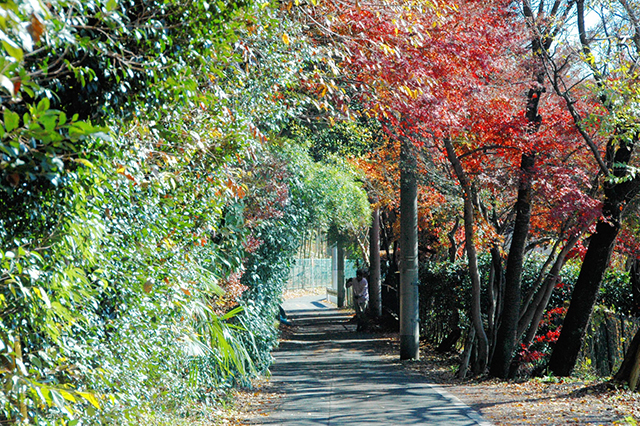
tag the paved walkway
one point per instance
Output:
(331, 375)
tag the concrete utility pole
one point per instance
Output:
(340, 273)
(409, 321)
(375, 289)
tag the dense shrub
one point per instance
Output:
(616, 293)
(445, 290)
(444, 302)
(127, 247)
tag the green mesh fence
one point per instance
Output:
(317, 273)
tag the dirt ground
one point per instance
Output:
(540, 401)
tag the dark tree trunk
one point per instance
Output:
(493, 303)
(596, 260)
(453, 248)
(629, 371)
(506, 337)
(634, 275)
(619, 188)
(375, 288)
(384, 234)
(454, 335)
(507, 331)
(342, 291)
(449, 342)
(496, 295)
(466, 354)
(534, 290)
(585, 292)
(395, 259)
(409, 326)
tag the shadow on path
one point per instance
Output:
(331, 375)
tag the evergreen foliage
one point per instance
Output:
(145, 238)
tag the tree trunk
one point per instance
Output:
(506, 337)
(629, 371)
(340, 276)
(534, 291)
(469, 234)
(466, 354)
(409, 321)
(634, 276)
(617, 194)
(533, 315)
(453, 248)
(375, 287)
(619, 188)
(455, 332)
(496, 294)
(585, 292)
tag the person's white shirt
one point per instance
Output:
(360, 288)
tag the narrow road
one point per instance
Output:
(331, 375)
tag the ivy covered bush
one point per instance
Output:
(148, 210)
(444, 298)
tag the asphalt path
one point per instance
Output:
(330, 374)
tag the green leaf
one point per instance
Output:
(84, 162)
(91, 398)
(49, 122)
(234, 312)
(46, 393)
(66, 395)
(43, 105)
(11, 120)
(13, 49)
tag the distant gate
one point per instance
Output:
(317, 273)
(310, 273)
(316, 268)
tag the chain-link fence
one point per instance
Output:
(316, 273)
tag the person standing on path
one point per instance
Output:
(360, 297)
